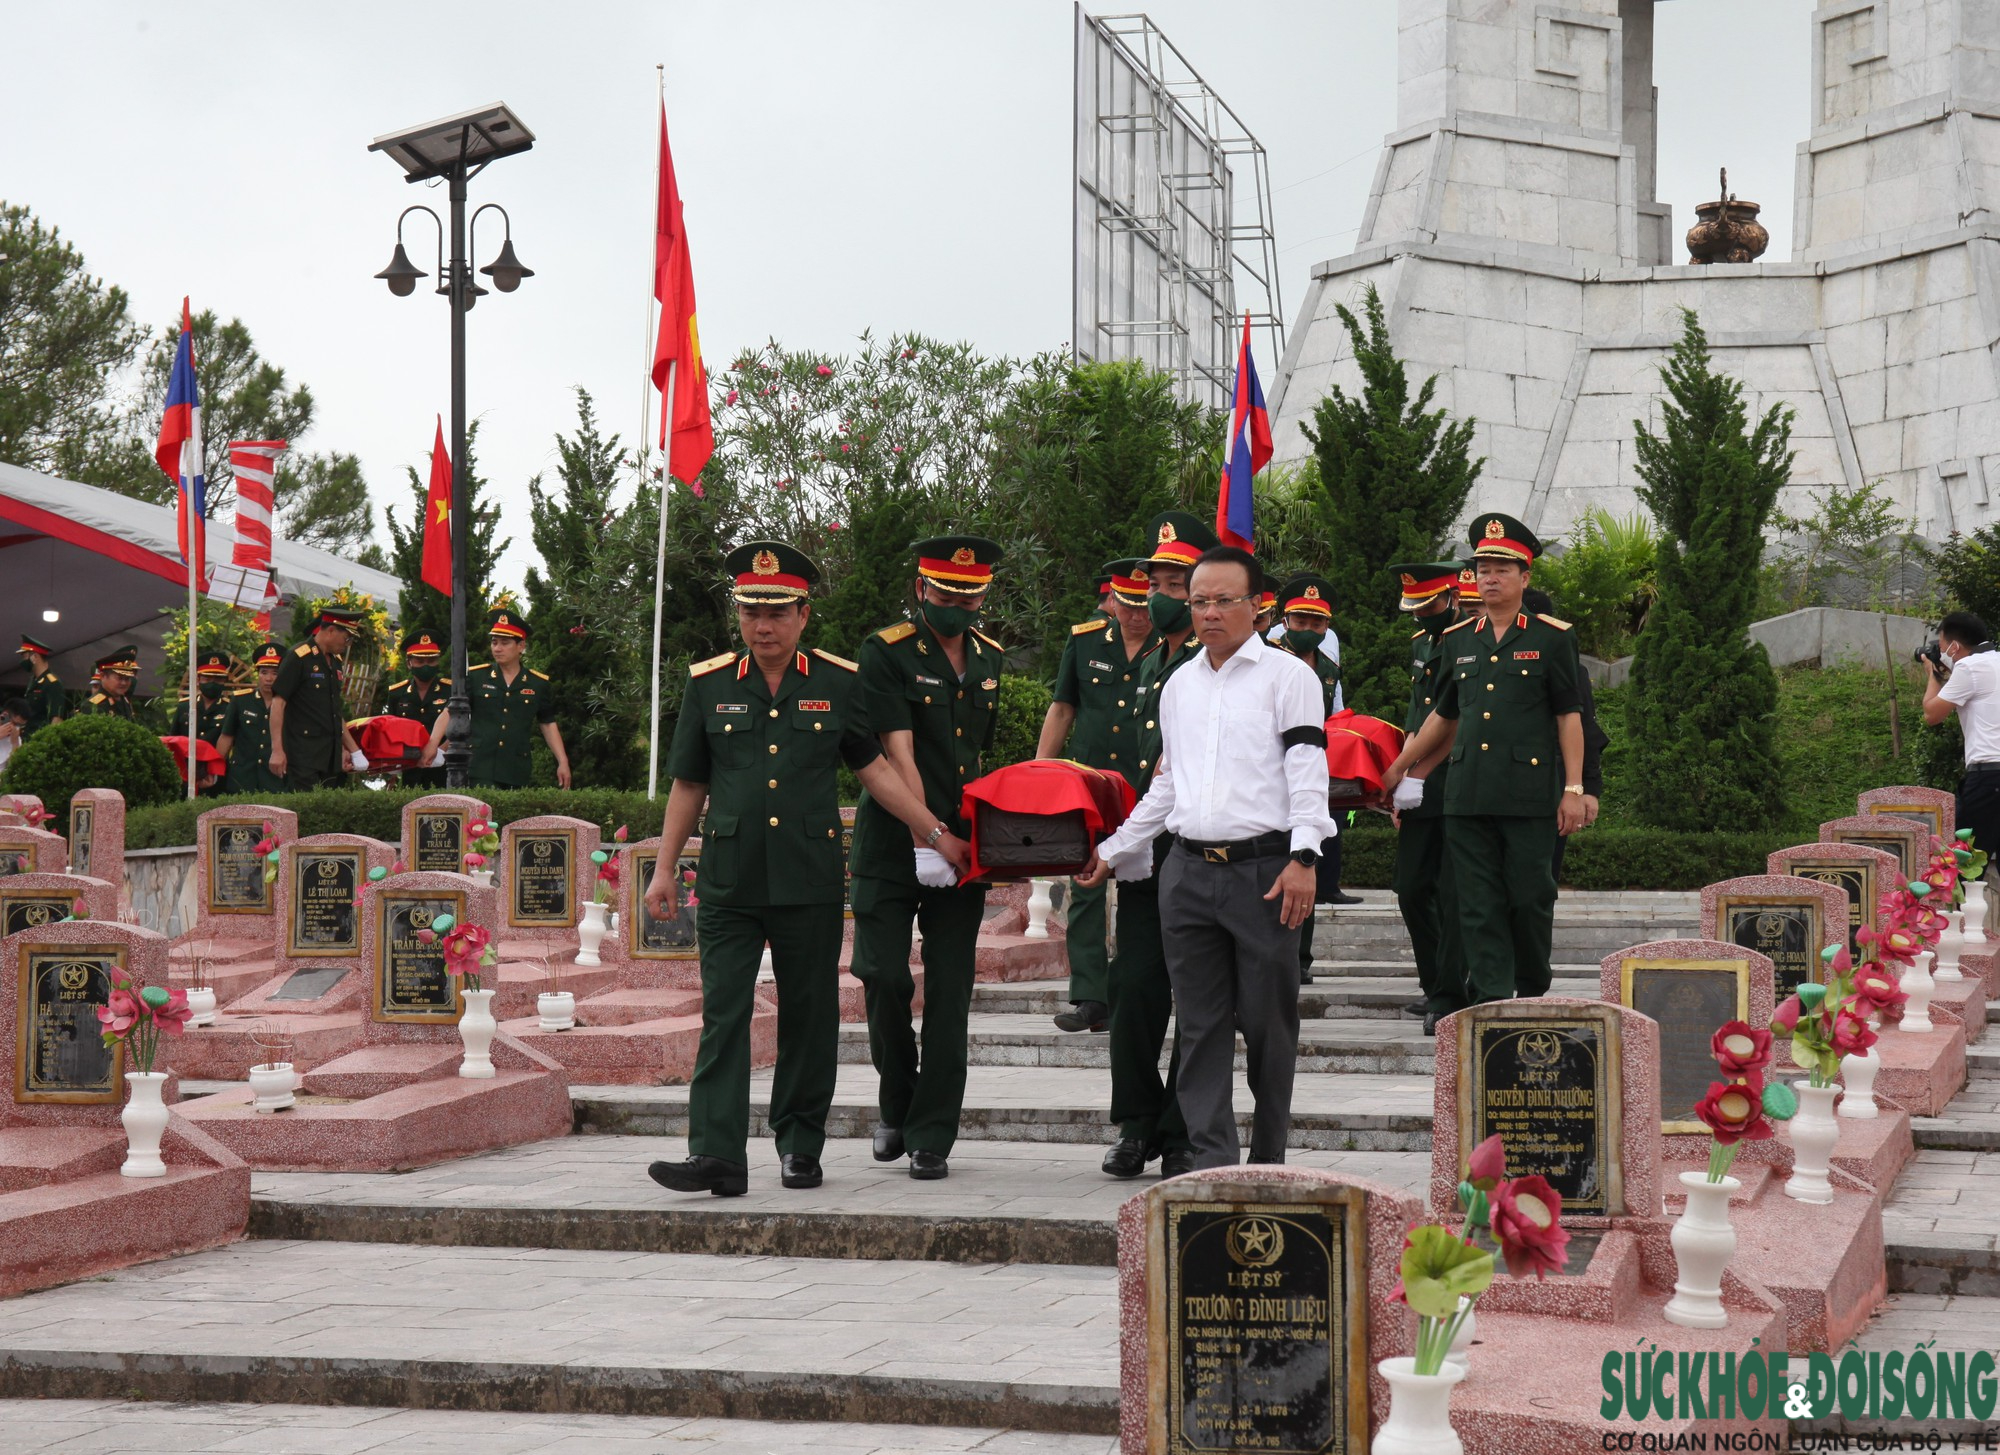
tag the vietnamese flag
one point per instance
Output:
(437, 517)
(692, 435)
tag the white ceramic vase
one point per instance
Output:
(1916, 983)
(1950, 945)
(272, 1084)
(201, 1005)
(1704, 1242)
(1039, 905)
(1813, 1132)
(145, 1118)
(591, 932)
(1460, 1352)
(476, 1027)
(482, 877)
(1419, 1420)
(1857, 1085)
(557, 1008)
(1975, 912)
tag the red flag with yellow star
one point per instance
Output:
(437, 517)
(689, 437)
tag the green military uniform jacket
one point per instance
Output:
(1143, 727)
(309, 684)
(420, 701)
(247, 725)
(505, 719)
(1506, 696)
(210, 719)
(771, 835)
(47, 701)
(1097, 679)
(1428, 670)
(98, 705)
(909, 686)
(1324, 668)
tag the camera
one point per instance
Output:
(1929, 653)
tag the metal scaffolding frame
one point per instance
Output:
(1167, 233)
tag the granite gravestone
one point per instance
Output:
(30, 851)
(59, 1058)
(234, 883)
(1862, 874)
(320, 879)
(411, 981)
(434, 832)
(1909, 842)
(1934, 811)
(1691, 998)
(1788, 919)
(1546, 1084)
(647, 938)
(97, 834)
(539, 868)
(30, 901)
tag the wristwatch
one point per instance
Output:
(931, 838)
(1576, 788)
(1307, 857)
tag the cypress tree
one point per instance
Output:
(1700, 713)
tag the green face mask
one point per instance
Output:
(949, 621)
(424, 674)
(1304, 643)
(1169, 615)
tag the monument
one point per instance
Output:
(1786, 918)
(1892, 834)
(1936, 811)
(434, 831)
(97, 835)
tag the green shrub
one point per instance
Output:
(1603, 856)
(1603, 583)
(1024, 702)
(94, 752)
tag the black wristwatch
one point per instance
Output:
(1307, 857)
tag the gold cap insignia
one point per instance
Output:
(1167, 531)
(1312, 592)
(963, 557)
(1494, 530)
(1408, 579)
(765, 564)
(1468, 574)
(1140, 575)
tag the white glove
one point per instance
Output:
(358, 761)
(934, 870)
(1133, 865)
(1409, 794)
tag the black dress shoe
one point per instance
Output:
(1305, 977)
(1084, 1015)
(1430, 1022)
(888, 1142)
(1178, 1162)
(929, 1166)
(702, 1174)
(1416, 1009)
(800, 1170)
(1341, 896)
(1127, 1157)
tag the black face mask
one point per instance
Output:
(211, 690)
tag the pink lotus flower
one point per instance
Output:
(1527, 1224)
(427, 937)
(1851, 1034)
(120, 1014)
(175, 1014)
(622, 833)
(475, 861)
(1487, 1164)
(464, 949)
(1788, 1013)
(1876, 991)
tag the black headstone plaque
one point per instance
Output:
(538, 878)
(1930, 820)
(235, 869)
(1545, 1086)
(440, 842)
(81, 817)
(59, 1056)
(1264, 1335)
(1894, 845)
(1785, 931)
(1691, 999)
(32, 910)
(411, 981)
(312, 982)
(16, 861)
(660, 939)
(1859, 882)
(324, 920)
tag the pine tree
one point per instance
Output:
(1699, 715)
(1394, 475)
(420, 605)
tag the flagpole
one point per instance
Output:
(197, 531)
(646, 447)
(660, 579)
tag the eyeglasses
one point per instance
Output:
(1217, 603)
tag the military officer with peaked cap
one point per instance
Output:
(931, 687)
(1424, 880)
(1509, 714)
(421, 696)
(1097, 682)
(1303, 607)
(511, 703)
(211, 675)
(760, 739)
(47, 701)
(245, 743)
(311, 746)
(115, 676)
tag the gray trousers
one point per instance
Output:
(1234, 967)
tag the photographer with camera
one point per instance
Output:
(1964, 677)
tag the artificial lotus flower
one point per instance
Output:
(1787, 1017)
(1487, 1164)
(621, 834)
(1741, 1049)
(1876, 992)
(171, 1011)
(1527, 1224)
(1851, 1034)
(118, 1015)
(1733, 1111)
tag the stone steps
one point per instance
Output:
(1370, 992)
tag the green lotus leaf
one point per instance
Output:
(1439, 1269)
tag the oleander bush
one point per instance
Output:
(94, 752)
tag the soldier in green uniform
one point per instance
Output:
(1096, 684)
(1145, 1109)
(1423, 879)
(47, 701)
(760, 738)
(245, 743)
(1510, 716)
(212, 712)
(115, 676)
(932, 693)
(1303, 609)
(510, 703)
(311, 746)
(421, 696)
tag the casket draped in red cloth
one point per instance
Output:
(1359, 749)
(1044, 816)
(209, 762)
(391, 742)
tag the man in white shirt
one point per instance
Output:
(1970, 686)
(1241, 785)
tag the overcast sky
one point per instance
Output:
(846, 164)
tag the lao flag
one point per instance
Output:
(1249, 452)
(179, 451)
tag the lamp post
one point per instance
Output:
(456, 149)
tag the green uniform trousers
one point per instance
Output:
(1089, 964)
(805, 956)
(1142, 1006)
(1425, 882)
(1506, 902)
(923, 1084)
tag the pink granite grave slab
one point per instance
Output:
(1850, 867)
(236, 912)
(1742, 900)
(32, 851)
(1879, 831)
(1921, 1070)
(29, 900)
(28, 805)
(1936, 811)
(97, 834)
(292, 950)
(541, 896)
(434, 838)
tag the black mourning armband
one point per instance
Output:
(858, 750)
(1303, 737)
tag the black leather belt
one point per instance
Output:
(1238, 851)
(1972, 768)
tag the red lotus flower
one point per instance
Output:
(1487, 1164)
(621, 834)
(120, 1014)
(175, 1014)
(1740, 1049)
(1876, 991)
(1527, 1223)
(1852, 1035)
(1734, 1112)
(1787, 1017)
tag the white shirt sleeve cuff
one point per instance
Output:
(1305, 837)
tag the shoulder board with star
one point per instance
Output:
(241, 691)
(893, 634)
(96, 699)
(1469, 621)
(826, 656)
(1555, 621)
(398, 686)
(1417, 633)
(988, 640)
(539, 676)
(1083, 628)
(303, 649)
(713, 664)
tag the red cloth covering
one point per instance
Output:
(209, 762)
(1361, 748)
(391, 742)
(1048, 786)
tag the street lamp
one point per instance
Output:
(456, 149)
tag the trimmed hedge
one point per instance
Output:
(1603, 856)
(93, 752)
(379, 815)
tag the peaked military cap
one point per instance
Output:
(1130, 580)
(1468, 582)
(343, 617)
(507, 622)
(770, 573)
(124, 661)
(1425, 581)
(1307, 592)
(1497, 537)
(271, 654)
(958, 563)
(212, 664)
(1103, 586)
(422, 642)
(33, 644)
(1178, 538)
